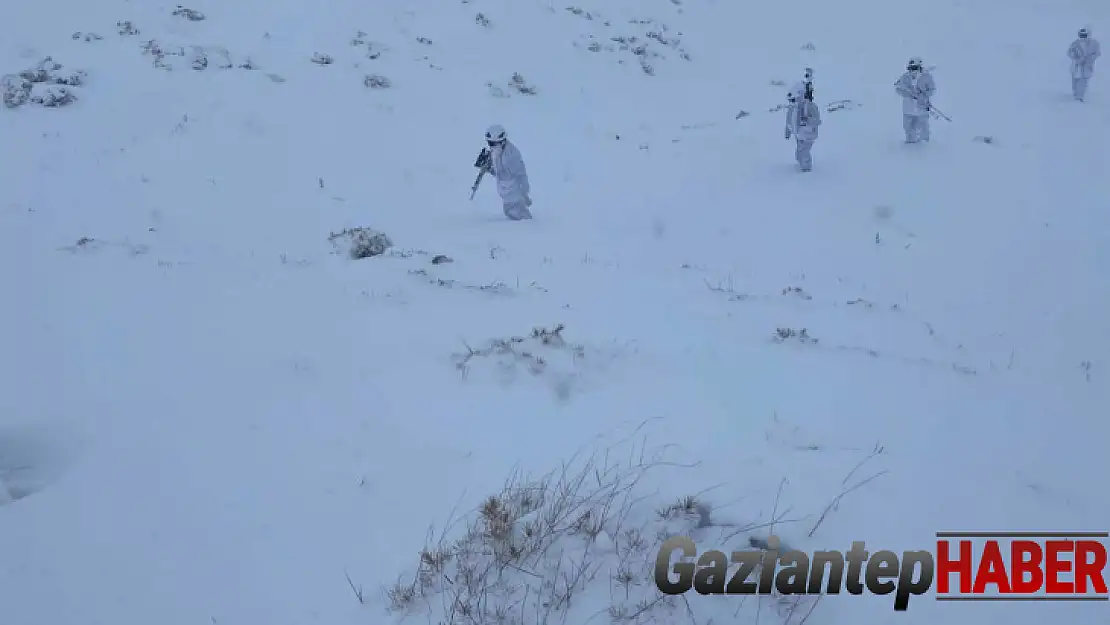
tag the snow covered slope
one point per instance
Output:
(236, 425)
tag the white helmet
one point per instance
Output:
(915, 63)
(1084, 32)
(495, 134)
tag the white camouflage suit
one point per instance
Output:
(803, 118)
(507, 166)
(917, 88)
(1083, 52)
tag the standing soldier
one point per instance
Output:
(1082, 52)
(802, 120)
(917, 88)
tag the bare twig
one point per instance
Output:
(755, 526)
(811, 609)
(775, 509)
(357, 591)
(878, 449)
(835, 503)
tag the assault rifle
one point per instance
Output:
(483, 165)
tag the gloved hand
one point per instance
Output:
(527, 201)
(786, 134)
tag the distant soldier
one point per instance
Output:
(503, 160)
(917, 88)
(1083, 52)
(802, 120)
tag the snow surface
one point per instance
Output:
(220, 419)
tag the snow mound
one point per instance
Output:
(361, 242)
(554, 548)
(44, 84)
(31, 459)
(544, 355)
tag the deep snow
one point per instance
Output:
(240, 417)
